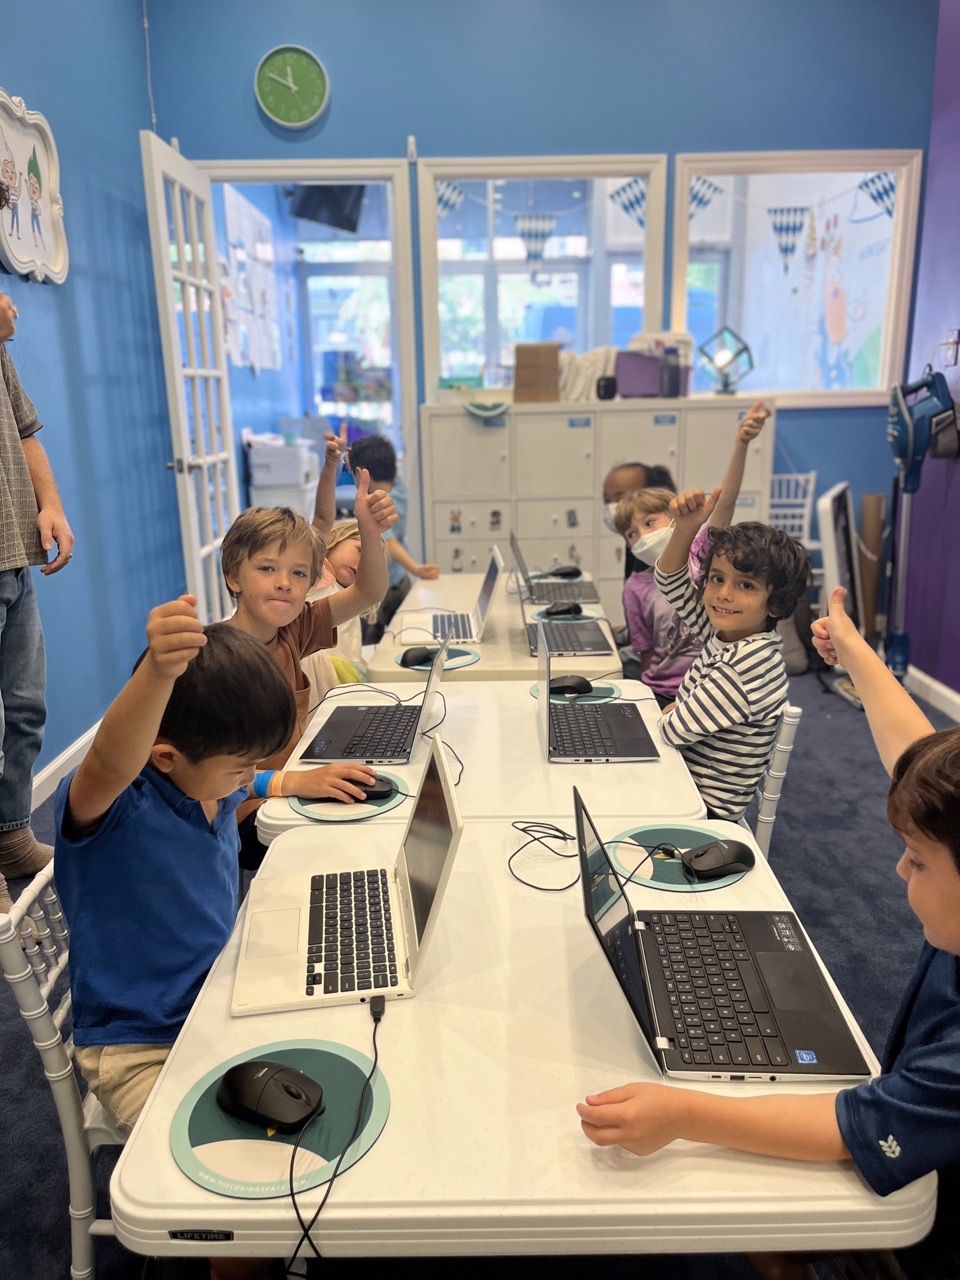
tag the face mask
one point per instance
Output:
(608, 510)
(650, 547)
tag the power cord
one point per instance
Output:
(377, 1007)
(541, 832)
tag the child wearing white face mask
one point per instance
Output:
(661, 641)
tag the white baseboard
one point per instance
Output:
(47, 780)
(938, 695)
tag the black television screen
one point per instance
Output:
(331, 205)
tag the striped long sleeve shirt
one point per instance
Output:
(728, 707)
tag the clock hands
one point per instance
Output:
(287, 82)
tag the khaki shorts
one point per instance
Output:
(121, 1076)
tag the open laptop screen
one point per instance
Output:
(487, 590)
(609, 915)
(427, 844)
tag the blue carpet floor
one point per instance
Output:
(831, 849)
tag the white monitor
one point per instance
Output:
(840, 550)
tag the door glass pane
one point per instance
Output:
(461, 324)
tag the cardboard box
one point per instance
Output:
(536, 376)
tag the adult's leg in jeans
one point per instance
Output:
(22, 715)
(23, 675)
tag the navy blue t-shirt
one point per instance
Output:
(906, 1123)
(150, 897)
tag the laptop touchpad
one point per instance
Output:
(793, 981)
(273, 933)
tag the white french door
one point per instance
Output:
(195, 366)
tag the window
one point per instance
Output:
(566, 251)
(808, 257)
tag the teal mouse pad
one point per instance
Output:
(660, 870)
(335, 811)
(236, 1158)
(456, 658)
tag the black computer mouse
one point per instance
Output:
(717, 858)
(417, 655)
(570, 685)
(270, 1094)
(563, 609)
(566, 571)
(380, 789)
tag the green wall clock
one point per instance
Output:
(291, 85)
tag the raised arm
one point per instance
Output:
(325, 503)
(129, 729)
(750, 427)
(397, 551)
(375, 514)
(895, 719)
(689, 510)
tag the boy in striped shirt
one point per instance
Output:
(728, 708)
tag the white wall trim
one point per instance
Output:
(938, 695)
(48, 779)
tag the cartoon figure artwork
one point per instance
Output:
(456, 525)
(572, 521)
(30, 171)
(456, 564)
(573, 555)
(835, 366)
(35, 190)
(14, 184)
(495, 520)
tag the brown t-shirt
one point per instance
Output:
(313, 629)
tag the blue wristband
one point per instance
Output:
(261, 781)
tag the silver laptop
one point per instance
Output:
(552, 591)
(567, 637)
(717, 995)
(575, 732)
(469, 626)
(382, 733)
(342, 936)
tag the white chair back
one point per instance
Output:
(791, 503)
(771, 784)
(33, 964)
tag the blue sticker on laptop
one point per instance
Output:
(806, 1056)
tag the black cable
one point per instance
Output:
(541, 832)
(377, 1007)
(429, 732)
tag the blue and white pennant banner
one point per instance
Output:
(702, 191)
(882, 190)
(450, 196)
(632, 199)
(535, 229)
(787, 225)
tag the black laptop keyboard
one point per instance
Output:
(720, 1011)
(350, 943)
(383, 731)
(459, 626)
(581, 730)
(568, 638)
(552, 592)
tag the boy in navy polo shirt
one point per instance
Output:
(905, 1123)
(146, 842)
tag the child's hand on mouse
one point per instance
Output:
(330, 782)
(691, 508)
(642, 1118)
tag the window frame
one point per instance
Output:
(517, 168)
(907, 165)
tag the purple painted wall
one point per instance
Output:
(933, 591)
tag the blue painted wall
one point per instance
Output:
(259, 398)
(501, 77)
(88, 353)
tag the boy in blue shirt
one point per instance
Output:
(146, 842)
(903, 1124)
